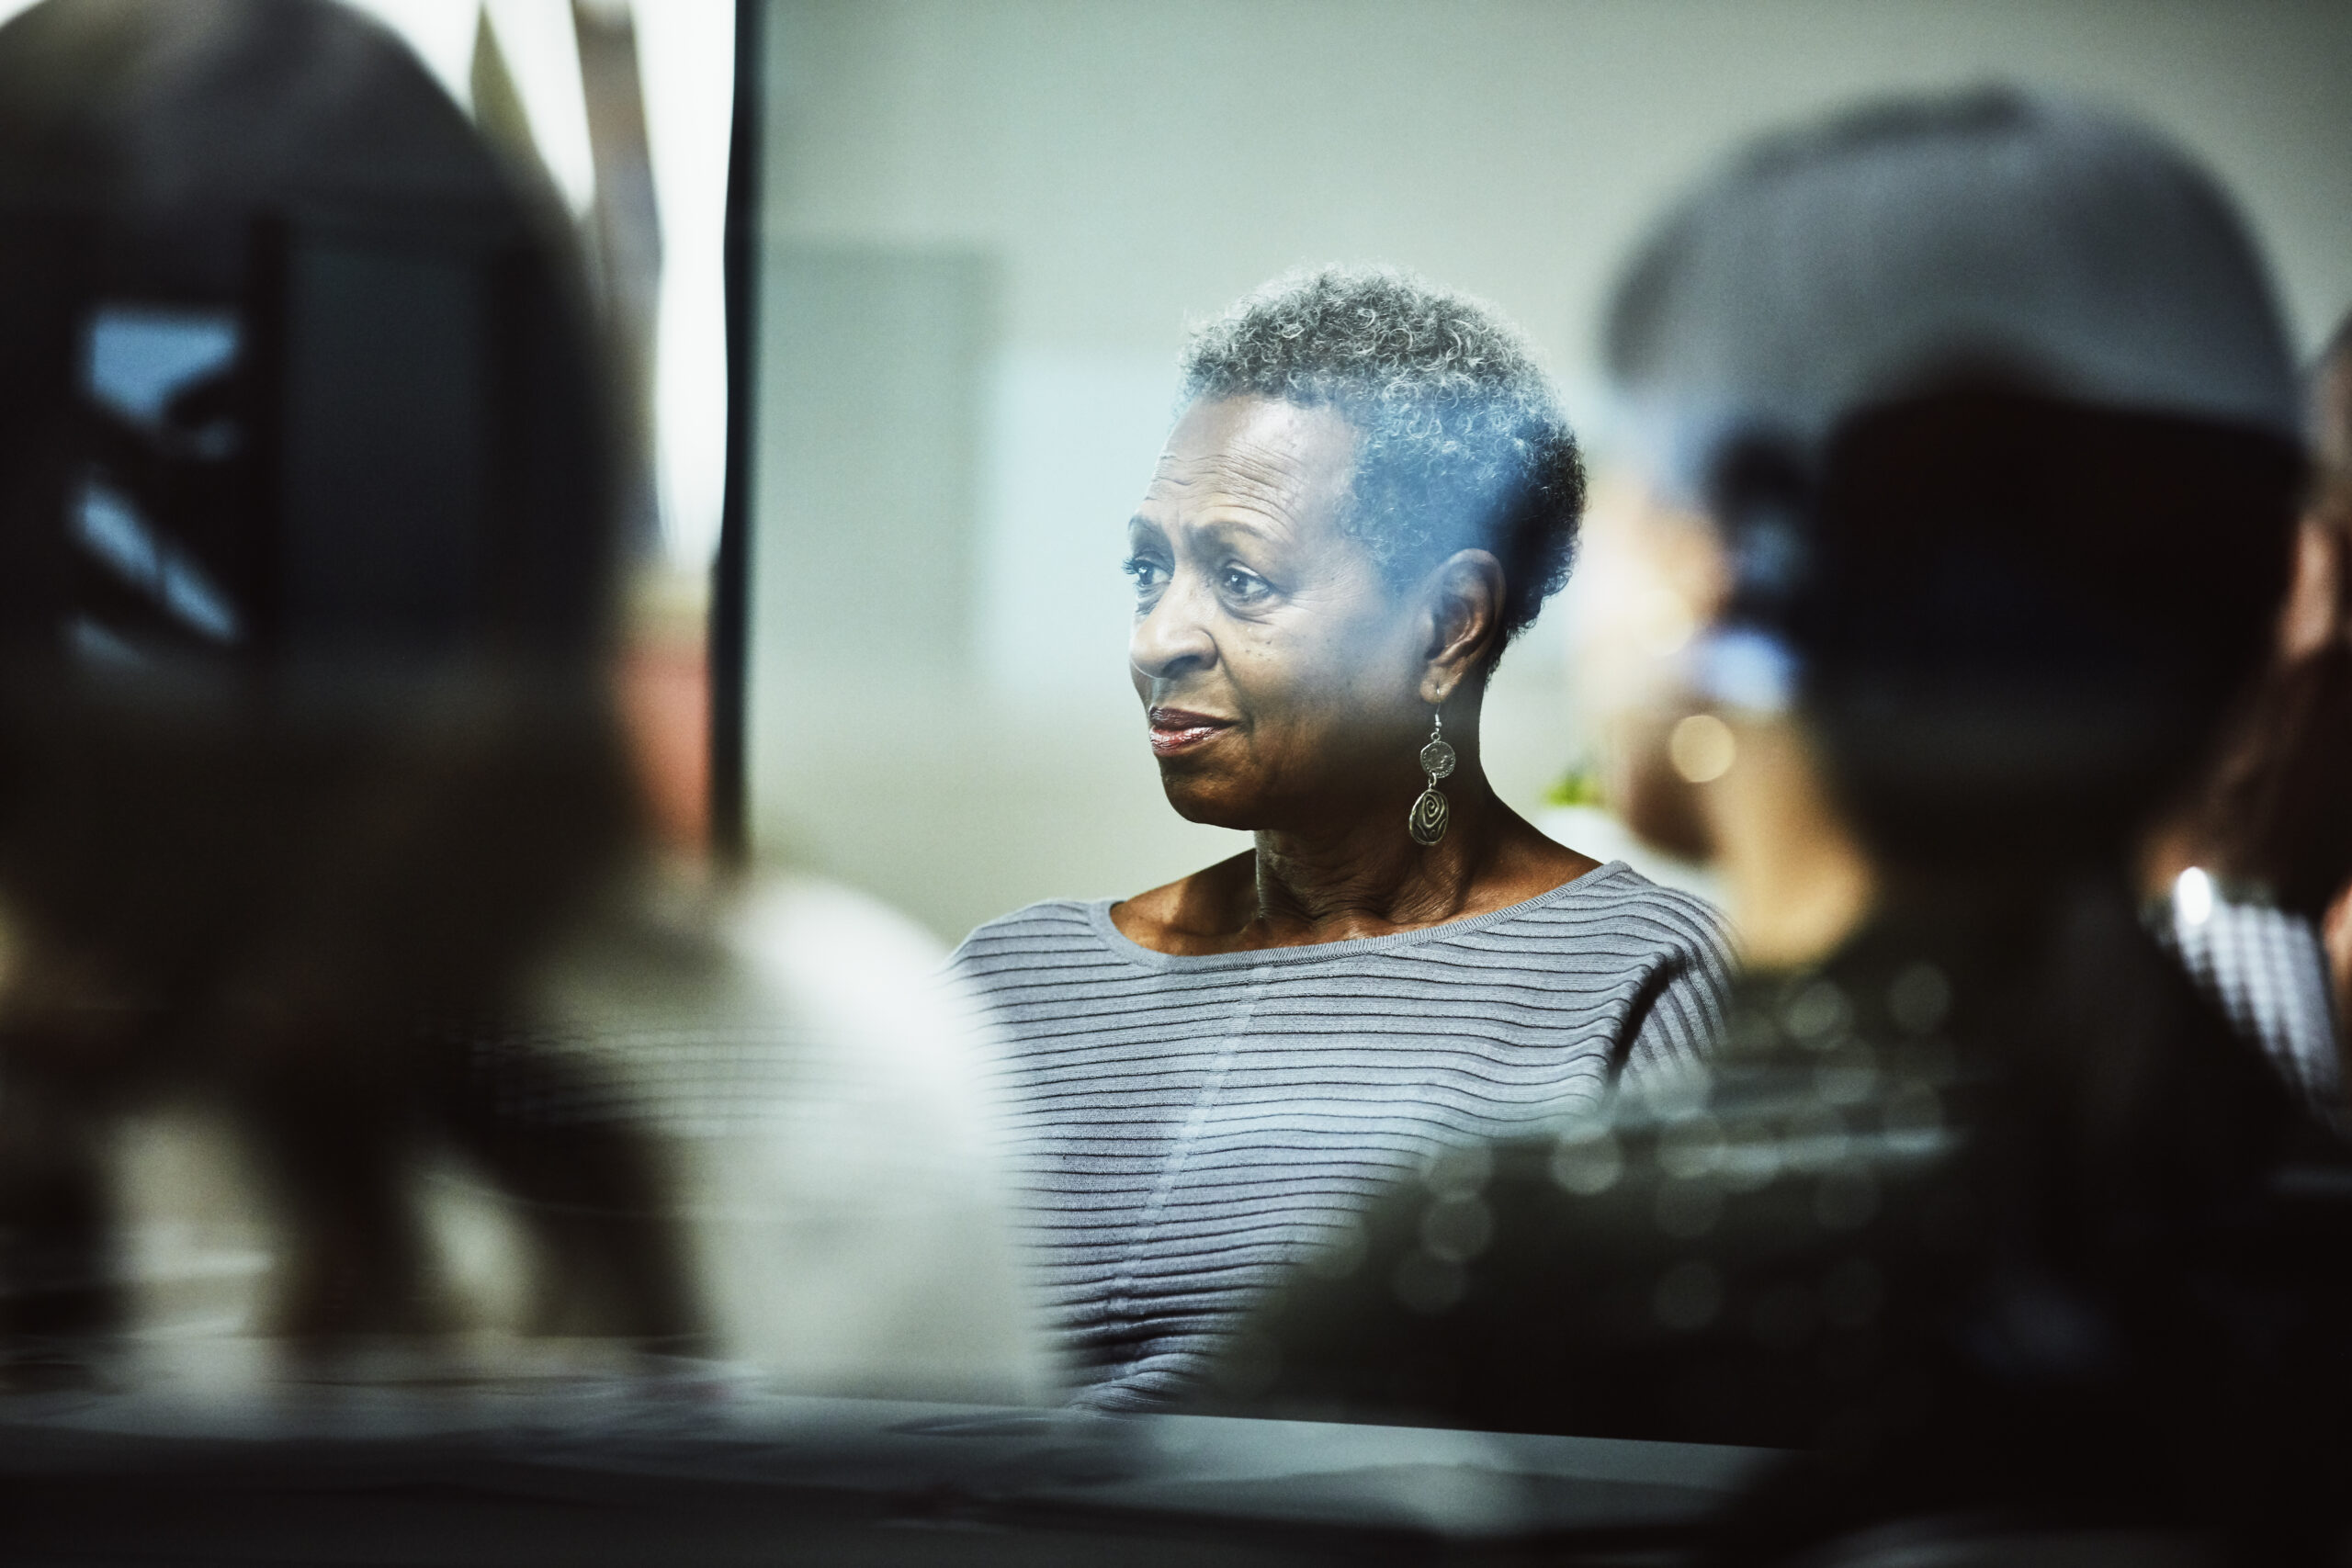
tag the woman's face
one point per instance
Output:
(1281, 675)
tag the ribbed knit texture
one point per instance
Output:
(2266, 970)
(1189, 1126)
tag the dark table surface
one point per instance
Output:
(631, 1471)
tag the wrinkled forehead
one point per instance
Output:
(1253, 458)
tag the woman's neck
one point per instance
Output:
(1366, 876)
(1361, 877)
(1355, 871)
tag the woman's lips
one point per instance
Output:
(1174, 730)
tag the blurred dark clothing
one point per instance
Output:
(1987, 1211)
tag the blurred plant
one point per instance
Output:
(1580, 786)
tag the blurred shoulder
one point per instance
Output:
(857, 974)
(841, 1170)
(776, 981)
(819, 938)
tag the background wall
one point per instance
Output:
(987, 224)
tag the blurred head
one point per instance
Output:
(304, 542)
(1369, 492)
(1986, 402)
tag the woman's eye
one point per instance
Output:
(1240, 582)
(1146, 573)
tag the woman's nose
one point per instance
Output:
(1172, 639)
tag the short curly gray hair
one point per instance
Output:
(1461, 443)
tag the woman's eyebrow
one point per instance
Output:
(1216, 516)
(1265, 528)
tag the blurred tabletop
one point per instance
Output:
(629, 1471)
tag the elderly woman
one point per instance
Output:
(1369, 492)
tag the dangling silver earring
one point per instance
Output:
(1431, 812)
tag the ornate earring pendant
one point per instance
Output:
(1431, 812)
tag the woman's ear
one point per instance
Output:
(1466, 622)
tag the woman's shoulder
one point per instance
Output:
(1191, 915)
(1033, 933)
(1173, 918)
(1614, 928)
(1622, 898)
(777, 995)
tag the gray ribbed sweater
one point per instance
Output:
(1187, 1126)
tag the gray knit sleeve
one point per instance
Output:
(1680, 1018)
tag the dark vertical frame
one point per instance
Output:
(731, 588)
(261, 373)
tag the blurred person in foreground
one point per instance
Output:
(2256, 872)
(1368, 493)
(1971, 434)
(344, 1007)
